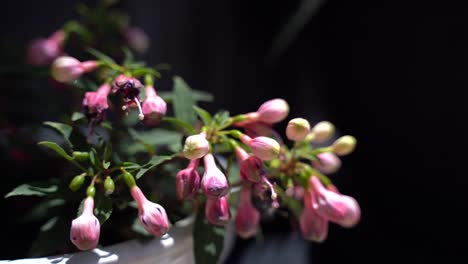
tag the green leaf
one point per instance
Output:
(156, 137)
(143, 71)
(179, 123)
(183, 101)
(107, 152)
(222, 119)
(129, 58)
(45, 208)
(94, 158)
(101, 56)
(155, 161)
(203, 114)
(209, 239)
(33, 189)
(64, 129)
(55, 147)
(50, 238)
(77, 116)
(202, 96)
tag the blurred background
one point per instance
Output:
(391, 73)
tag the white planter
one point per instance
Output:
(176, 248)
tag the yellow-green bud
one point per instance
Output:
(344, 145)
(322, 131)
(76, 182)
(196, 146)
(91, 191)
(109, 185)
(297, 129)
(80, 156)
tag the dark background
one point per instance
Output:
(391, 73)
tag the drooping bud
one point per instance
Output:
(95, 103)
(77, 182)
(152, 216)
(341, 209)
(85, 229)
(344, 145)
(217, 211)
(137, 39)
(129, 88)
(251, 169)
(313, 226)
(214, 183)
(154, 107)
(196, 146)
(188, 181)
(248, 217)
(297, 129)
(43, 51)
(109, 185)
(66, 69)
(263, 147)
(322, 131)
(327, 162)
(273, 111)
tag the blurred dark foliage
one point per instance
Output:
(392, 73)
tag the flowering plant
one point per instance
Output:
(135, 148)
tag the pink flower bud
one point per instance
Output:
(327, 163)
(43, 51)
(251, 167)
(85, 229)
(248, 217)
(66, 69)
(217, 211)
(263, 147)
(214, 184)
(153, 217)
(95, 103)
(341, 209)
(137, 39)
(196, 146)
(297, 129)
(154, 107)
(188, 181)
(129, 88)
(313, 226)
(273, 111)
(257, 129)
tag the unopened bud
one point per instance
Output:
(109, 185)
(152, 216)
(344, 145)
(327, 162)
(297, 129)
(273, 111)
(77, 182)
(264, 147)
(188, 181)
(214, 183)
(66, 69)
(85, 229)
(217, 211)
(322, 131)
(196, 146)
(80, 156)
